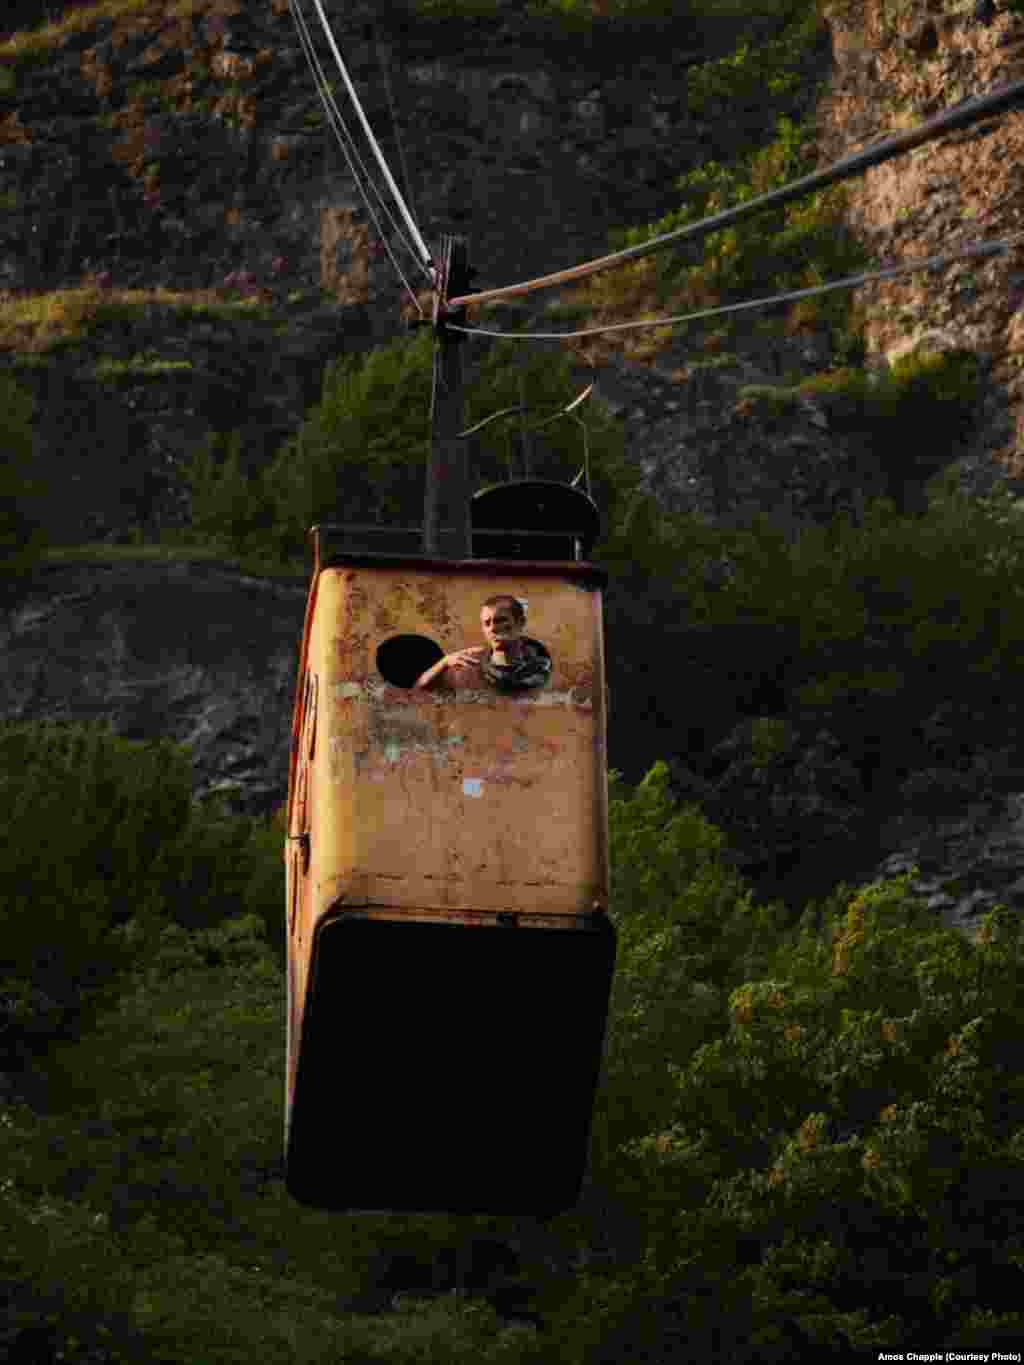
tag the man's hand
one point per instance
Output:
(462, 658)
(465, 658)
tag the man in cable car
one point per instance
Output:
(511, 661)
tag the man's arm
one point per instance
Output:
(462, 658)
(427, 678)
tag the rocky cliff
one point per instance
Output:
(197, 652)
(895, 66)
(182, 251)
(171, 189)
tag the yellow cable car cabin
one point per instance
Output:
(449, 950)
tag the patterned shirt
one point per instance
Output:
(531, 669)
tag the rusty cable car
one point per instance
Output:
(450, 954)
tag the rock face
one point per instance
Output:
(968, 865)
(187, 152)
(896, 66)
(197, 652)
(719, 439)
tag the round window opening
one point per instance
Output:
(402, 659)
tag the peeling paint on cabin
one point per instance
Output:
(352, 653)
(432, 606)
(355, 597)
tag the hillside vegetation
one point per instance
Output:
(798, 1118)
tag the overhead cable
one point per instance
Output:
(345, 139)
(350, 151)
(395, 125)
(967, 112)
(850, 282)
(402, 206)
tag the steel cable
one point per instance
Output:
(970, 111)
(341, 132)
(394, 124)
(402, 206)
(850, 282)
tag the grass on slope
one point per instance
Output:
(62, 317)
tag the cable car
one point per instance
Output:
(450, 954)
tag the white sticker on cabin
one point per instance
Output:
(472, 786)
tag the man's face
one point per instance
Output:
(500, 625)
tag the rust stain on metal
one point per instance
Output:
(578, 678)
(356, 598)
(391, 610)
(350, 652)
(432, 604)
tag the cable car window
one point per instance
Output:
(510, 661)
(402, 658)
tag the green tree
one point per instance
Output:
(361, 453)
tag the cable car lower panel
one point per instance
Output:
(446, 1067)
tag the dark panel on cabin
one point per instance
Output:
(450, 1069)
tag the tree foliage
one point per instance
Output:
(361, 454)
(809, 1131)
(100, 842)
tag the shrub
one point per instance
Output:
(852, 634)
(231, 508)
(758, 64)
(913, 415)
(686, 928)
(798, 245)
(124, 851)
(817, 1175)
(888, 608)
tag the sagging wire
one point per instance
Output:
(403, 208)
(394, 124)
(567, 411)
(336, 120)
(960, 116)
(341, 132)
(849, 282)
(340, 128)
